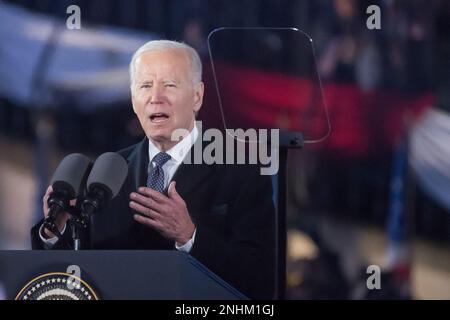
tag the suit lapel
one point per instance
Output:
(138, 164)
(190, 175)
(147, 238)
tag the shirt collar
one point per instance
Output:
(178, 151)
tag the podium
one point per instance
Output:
(134, 274)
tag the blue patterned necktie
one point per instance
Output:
(155, 179)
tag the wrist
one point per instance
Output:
(187, 236)
(47, 234)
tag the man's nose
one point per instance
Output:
(157, 94)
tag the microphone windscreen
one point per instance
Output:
(109, 171)
(70, 174)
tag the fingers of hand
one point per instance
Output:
(45, 200)
(143, 209)
(168, 215)
(148, 201)
(153, 194)
(147, 221)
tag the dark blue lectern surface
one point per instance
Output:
(120, 274)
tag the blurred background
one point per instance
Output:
(376, 191)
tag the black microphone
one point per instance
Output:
(67, 183)
(104, 182)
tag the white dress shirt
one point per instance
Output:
(177, 154)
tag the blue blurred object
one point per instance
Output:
(87, 67)
(396, 220)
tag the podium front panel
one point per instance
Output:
(134, 274)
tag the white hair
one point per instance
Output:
(162, 45)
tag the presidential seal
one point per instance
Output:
(57, 286)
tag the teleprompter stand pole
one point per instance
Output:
(288, 140)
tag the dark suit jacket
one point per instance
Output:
(231, 206)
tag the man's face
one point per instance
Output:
(164, 96)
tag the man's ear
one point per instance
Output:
(198, 98)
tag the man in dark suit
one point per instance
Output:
(222, 215)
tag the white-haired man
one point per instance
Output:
(221, 214)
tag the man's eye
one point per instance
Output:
(170, 85)
(145, 86)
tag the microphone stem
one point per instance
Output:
(76, 236)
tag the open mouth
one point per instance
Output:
(158, 117)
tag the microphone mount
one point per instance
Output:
(95, 200)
